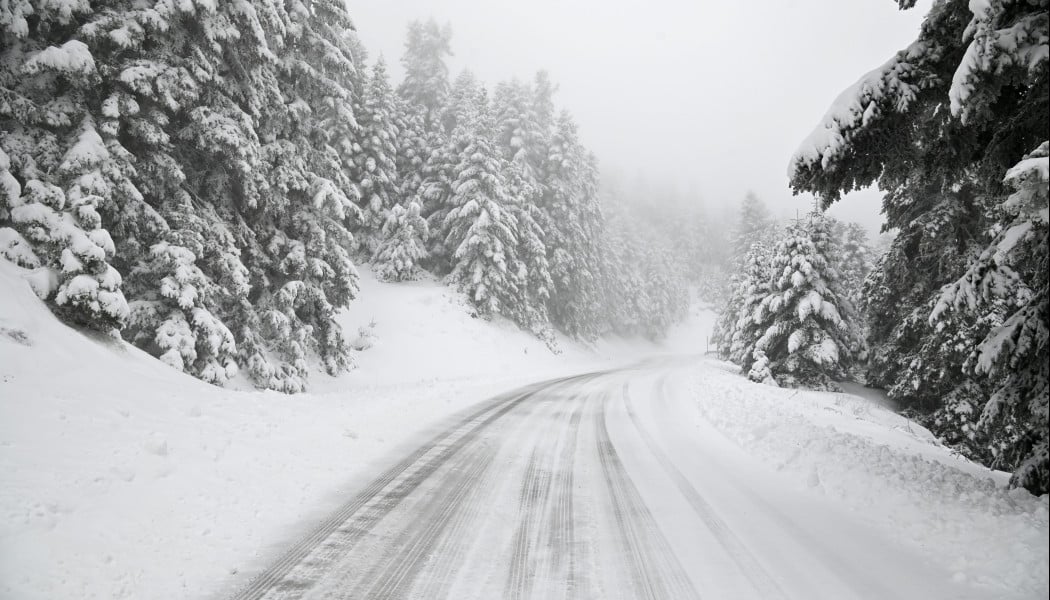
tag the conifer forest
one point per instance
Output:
(246, 193)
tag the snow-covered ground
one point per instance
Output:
(122, 478)
(851, 453)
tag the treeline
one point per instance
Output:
(954, 130)
(202, 177)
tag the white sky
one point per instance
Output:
(711, 96)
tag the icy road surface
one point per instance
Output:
(594, 486)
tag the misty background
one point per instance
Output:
(705, 99)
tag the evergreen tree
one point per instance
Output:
(753, 224)
(441, 168)
(751, 316)
(570, 202)
(403, 244)
(480, 229)
(426, 83)
(412, 152)
(377, 170)
(854, 260)
(532, 251)
(1013, 268)
(519, 134)
(807, 342)
(60, 177)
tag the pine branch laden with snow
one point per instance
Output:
(892, 87)
(1005, 46)
(173, 321)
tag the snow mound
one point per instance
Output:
(891, 472)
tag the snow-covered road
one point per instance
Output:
(601, 485)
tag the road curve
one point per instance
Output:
(574, 489)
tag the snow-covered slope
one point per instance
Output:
(122, 478)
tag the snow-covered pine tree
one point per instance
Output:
(480, 229)
(854, 261)
(518, 132)
(537, 285)
(59, 172)
(426, 84)
(403, 244)
(173, 305)
(807, 341)
(725, 325)
(376, 158)
(542, 111)
(412, 151)
(752, 318)
(1013, 267)
(570, 201)
(308, 203)
(89, 288)
(752, 225)
(440, 170)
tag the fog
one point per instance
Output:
(711, 98)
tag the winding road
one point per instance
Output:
(600, 485)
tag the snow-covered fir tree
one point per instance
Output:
(518, 131)
(752, 225)
(532, 310)
(403, 244)
(1013, 354)
(854, 261)
(441, 167)
(59, 174)
(426, 83)
(480, 230)
(376, 171)
(570, 201)
(809, 340)
(750, 317)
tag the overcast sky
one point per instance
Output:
(712, 96)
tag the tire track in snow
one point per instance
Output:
(393, 577)
(561, 531)
(302, 565)
(749, 566)
(656, 572)
(535, 489)
(545, 506)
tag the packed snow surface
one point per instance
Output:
(123, 478)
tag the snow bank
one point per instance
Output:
(890, 472)
(121, 477)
